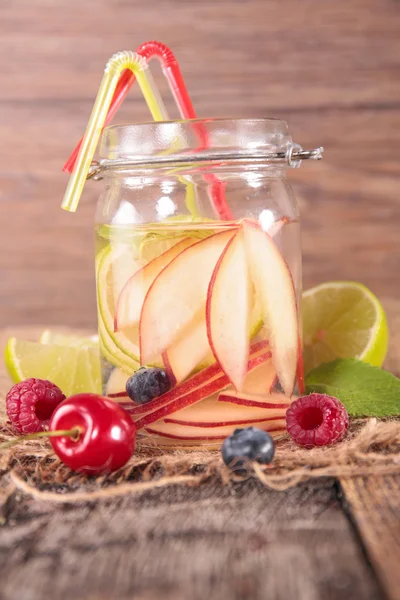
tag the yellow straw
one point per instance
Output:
(117, 63)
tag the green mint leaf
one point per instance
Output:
(366, 391)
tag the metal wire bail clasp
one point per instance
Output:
(95, 171)
(295, 154)
(292, 156)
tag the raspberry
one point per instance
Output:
(31, 403)
(316, 420)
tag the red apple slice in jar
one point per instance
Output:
(175, 400)
(260, 380)
(267, 402)
(189, 350)
(131, 298)
(211, 387)
(117, 381)
(177, 294)
(228, 311)
(258, 354)
(192, 349)
(184, 432)
(257, 349)
(211, 413)
(273, 283)
(196, 381)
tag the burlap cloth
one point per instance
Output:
(370, 447)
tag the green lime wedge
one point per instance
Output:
(74, 368)
(343, 319)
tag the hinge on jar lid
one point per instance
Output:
(293, 156)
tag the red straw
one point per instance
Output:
(150, 50)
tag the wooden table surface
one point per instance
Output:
(332, 70)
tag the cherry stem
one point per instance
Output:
(73, 433)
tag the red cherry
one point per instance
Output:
(108, 434)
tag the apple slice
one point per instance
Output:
(260, 380)
(177, 294)
(211, 386)
(117, 381)
(267, 402)
(134, 291)
(198, 380)
(189, 350)
(184, 432)
(211, 413)
(274, 285)
(228, 311)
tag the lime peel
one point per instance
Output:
(73, 368)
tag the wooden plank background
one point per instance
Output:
(331, 69)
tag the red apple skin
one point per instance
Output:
(118, 395)
(279, 306)
(211, 413)
(211, 424)
(211, 387)
(247, 400)
(190, 385)
(276, 227)
(198, 394)
(168, 369)
(273, 430)
(228, 326)
(196, 381)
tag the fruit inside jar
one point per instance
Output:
(213, 307)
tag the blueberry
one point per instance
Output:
(147, 383)
(245, 445)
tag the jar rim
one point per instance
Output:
(183, 138)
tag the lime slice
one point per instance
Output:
(343, 319)
(129, 250)
(157, 237)
(73, 368)
(114, 268)
(113, 354)
(164, 236)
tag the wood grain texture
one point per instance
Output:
(331, 69)
(242, 542)
(212, 543)
(374, 505)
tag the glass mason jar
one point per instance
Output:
(198, 269)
